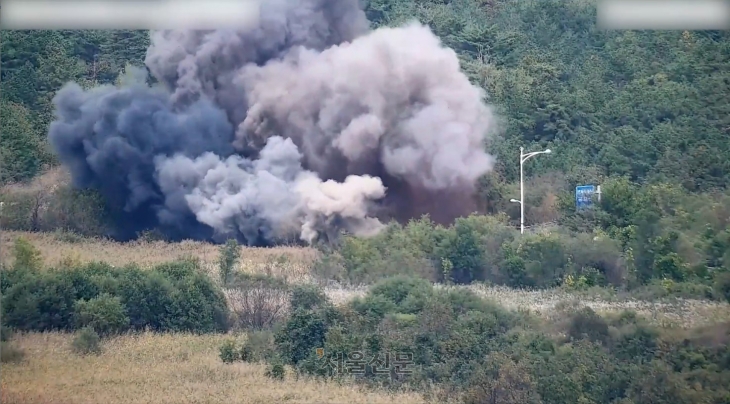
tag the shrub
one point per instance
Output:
(149, 298)
(105, 314)
(536, 260)
(86, 342)
(26, 255)
(40, 302)
(172, 297)
(514, 271)
(229, 254)
(636, 342)
(199, 306)
(587, 324)
(11, 276)
(394, 251)
(9, 353)
(398, 288)
(258, 346)
(301, 334)
(228, 352)
(722, 286)
(275, 371)
(599, 259)
(461, 248)
(373, 308)
(502, 380)
(5, 333)
(258, 301)
(307, 297)
(193, 302)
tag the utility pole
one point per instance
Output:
(523, 157)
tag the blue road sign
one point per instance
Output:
(584, 196)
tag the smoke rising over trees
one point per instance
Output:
(297, 127)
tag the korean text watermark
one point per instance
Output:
(397, 364)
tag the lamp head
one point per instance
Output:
(514, 200)
(548, 151)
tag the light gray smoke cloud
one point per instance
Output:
(195, 63)
(319, 125)
(239, 196)
(394, 97)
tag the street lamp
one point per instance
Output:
(523, 158)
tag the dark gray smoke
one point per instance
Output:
(299, 126)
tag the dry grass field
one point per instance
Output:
(292, 263)
(160, 369)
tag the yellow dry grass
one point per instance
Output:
(292, 263)
(159, 369)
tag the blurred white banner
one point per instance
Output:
(130, 14)
(664, 14)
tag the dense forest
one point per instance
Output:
(644, 114)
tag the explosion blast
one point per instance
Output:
(302, 125)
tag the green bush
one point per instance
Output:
(246, 354)
(373, 308)
(9, 353)
(301, 334)
(199, 306)
(26, 255)
(105, 314)
(228, 352)
(722, 286)
(40, 302)
(307, 297)
(586, 324)
(460, 247)
(175, 296)
(397, 289)
(275, 371)
(86, 342)
(229, 254)
(259, 346)
(5, 333)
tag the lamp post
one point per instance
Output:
(523, 157)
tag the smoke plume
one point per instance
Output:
(299, 126)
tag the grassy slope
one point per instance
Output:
(159, 369)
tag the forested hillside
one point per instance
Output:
(35, 64)
(651, 106)
(643, 113)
